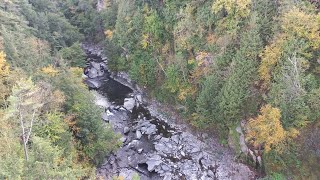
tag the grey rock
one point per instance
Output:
(175, 138)
(138, 134)
(210, 173)
(205, 135)
(139, 98)
(93, 73)
(93, 83)
(126, 130)
(183, 153)
(165, 168)
(140, 150)
(133, 144)
(167, 177)
(157, 137)
(152, 129)
(109, 113)
(104, 116)
(195, 150)
(243, 146)
(153, 161)
(129, 103)
(123, 139)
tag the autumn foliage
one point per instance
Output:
(266, 129)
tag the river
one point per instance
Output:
(154, 146)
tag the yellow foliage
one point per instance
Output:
(4, 67)
(108, 33)
(266, 128)
(203, 60)
(191, 61)
(145, 41)
(293, 133)
(50, 70)
(76, 71)
(202, 57)
(71, 122)
(269, 58)
(185, 92)
(58, 99)
(298, 23)
(295, 24)
(240, 8)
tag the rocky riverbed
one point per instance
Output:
(154, 147)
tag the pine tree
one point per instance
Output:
(236, 91)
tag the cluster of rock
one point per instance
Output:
(156, 150)
(94, 49)
(153, 146)
(94, 72)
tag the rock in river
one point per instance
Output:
(129, 103)
(153, 161)
(126, 130)
(138, 134)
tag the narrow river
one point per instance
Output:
(154, 147)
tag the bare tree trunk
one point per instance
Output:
(23, 136)
(161, 67)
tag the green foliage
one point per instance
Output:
(97, 139)
(201, 55)
(142, 69)
(135, 177)
(236, 90)
(208, 101)
(173, 79)
(313, 103)
(37, 139)
(50, 24)
(73, 55)
(49, 159)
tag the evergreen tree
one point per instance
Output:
(243, 72)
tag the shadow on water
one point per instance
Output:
(114, 91)
(162, 127)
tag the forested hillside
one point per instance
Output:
(224, 62)
(49, 125)
(219, 63)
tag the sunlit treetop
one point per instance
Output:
(4, 67)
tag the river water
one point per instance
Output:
(154, 147)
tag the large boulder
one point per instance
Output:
(153, 162)
(129, 103)
(92, 83)
(92, 73)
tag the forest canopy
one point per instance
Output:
(220, 63)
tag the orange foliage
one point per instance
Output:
(4, 67)
(266, 128)
(269, 58)
(108, 33)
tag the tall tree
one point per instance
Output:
(237, 89)
(266, 129)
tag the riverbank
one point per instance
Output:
(157, 146)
